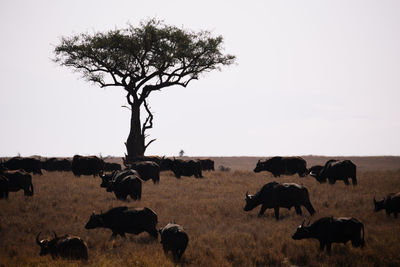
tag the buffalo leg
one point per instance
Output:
(298, 209)
(354, 180)
(346, 181)
(113, 235)
(321, 245)
(276, 209)
(328, 247)
(309, 207)
(395, 214)
(262, 210)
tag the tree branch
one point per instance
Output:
(148, 124)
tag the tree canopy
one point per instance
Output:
(142, 59)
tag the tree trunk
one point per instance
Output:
(135, 142)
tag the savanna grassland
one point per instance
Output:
(211, 211)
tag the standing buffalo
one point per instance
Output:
(55, 164)
(207, 164)
(17, 180)
(123, 220)
(391, 203)
(330, 230)
(174, 239)
(147, 170)
(67, 247)
(90, 165)
(335, 170)
(27, 164)
(283, 165)
(109, 167)
(186, 168)
(123, 183)
(275, 195)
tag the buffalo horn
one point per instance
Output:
(37, 239)
(374, 200)
(247, 195)
(101, 174)
(55, 235)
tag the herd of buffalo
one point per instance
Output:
(15, 175)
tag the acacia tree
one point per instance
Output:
(142, 60)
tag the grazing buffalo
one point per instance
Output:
(207, 164)
(147, 170)
(283, 165)
(335, 170)
(123, 220)
(186, 168)
(3, 187)
(90, 165)
(17, 180)
(174, 239)
(123, 183)
(330, 230)
(27, 164)
(109, 167)
(391, 203)
(55, 164)
(67, 247)
(275, 195)
(159, 160)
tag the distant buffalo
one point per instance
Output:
(13, 181)
(123, 220)
(207, 164)
(159, 160)
(27, 164)
(67, 247)
(55, 164)
(330, 230)
(283, 166)
(123, 183)
(90, 165)
(147, 170)
(275, 195)
(174, 239)
(335, 170)
(390, 203)
(109, 167)
(186, 168)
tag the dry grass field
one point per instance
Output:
(211, 211)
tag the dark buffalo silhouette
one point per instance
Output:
(123, 220)
(186, 168)
(164, 166)
(275, 195)
(147, 170)
(283, 166)
(17, 180)
(109, 167)
(174, 239)
(27, 164)
(207, 164)
(123, 183)
(390, 203)
(67, 247)
(90, 165)
(330, 230)
(55, 164)
(335, 170)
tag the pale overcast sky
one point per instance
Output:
(312, 77)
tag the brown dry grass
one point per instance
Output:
(211, 210)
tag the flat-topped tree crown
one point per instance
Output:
(141, 60)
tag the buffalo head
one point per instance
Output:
(259, 167)
(45, 244)
(302, 232)
(251, 203)
(95, 220)
(379, 205)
